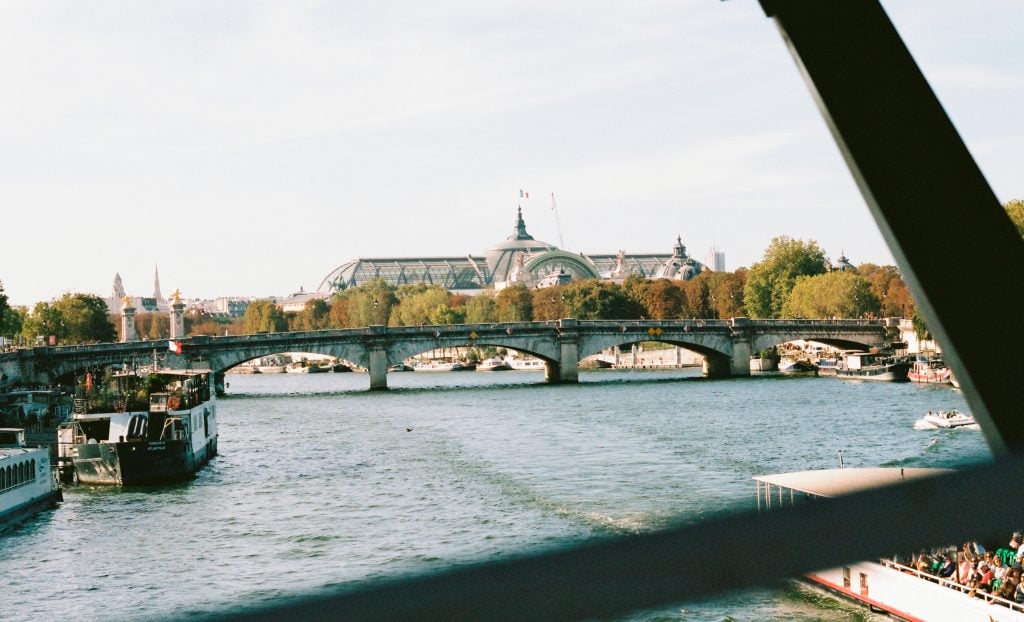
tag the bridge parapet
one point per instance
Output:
(725, 344)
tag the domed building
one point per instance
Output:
(519, 259)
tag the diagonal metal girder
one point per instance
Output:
(928, 196)
(939, 216)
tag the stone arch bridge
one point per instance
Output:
(726, 345)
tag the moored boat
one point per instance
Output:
(297, 368)
(493, 364)
(885, 585)
(930, 370)
(867, 366)
(28, 484)
(141, 429)
(791, 365)
(527, 364)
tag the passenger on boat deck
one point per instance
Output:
(963, 574)
(998, 569)
(945, 567)
(1008, 587)
(1015, 541)
(923, 564)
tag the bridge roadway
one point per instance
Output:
(726, 345)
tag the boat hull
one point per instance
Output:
(139, 462)
(931, 376)
(16, 514)
(907, 597)
(897, 372)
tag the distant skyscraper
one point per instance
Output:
(715, 260)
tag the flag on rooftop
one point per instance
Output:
(523, 194)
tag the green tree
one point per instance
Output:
(371, 303)
(481, 309)
(72, 318)
(835, 294)
(5, 313)
(315, 315)
(549, 303)
(515, 304)
(770, 281)
(1015, 210)
(264, 316)
(596, 300)
(416, 304)
(445, 314)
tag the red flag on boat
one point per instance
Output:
(174, 346)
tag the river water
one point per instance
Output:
(320, 482)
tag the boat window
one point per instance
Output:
(32, 471)
(137, 426)
(3, 479)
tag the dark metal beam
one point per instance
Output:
(944, 225)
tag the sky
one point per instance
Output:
(249, 148)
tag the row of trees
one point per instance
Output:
(793, 279)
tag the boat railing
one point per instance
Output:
(950, 583)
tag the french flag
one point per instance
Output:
(523, 194)
(174, 346)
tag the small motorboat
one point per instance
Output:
(949, 419)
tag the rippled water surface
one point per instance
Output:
(321, 482)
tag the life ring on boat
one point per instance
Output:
(173, 402)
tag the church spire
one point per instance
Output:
(156, 283)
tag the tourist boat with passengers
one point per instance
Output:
(930, 370)
(140, 428)
(28, 483)
(949, 419)
(870, 366)
(884, 585)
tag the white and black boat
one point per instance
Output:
(141, 429)
(28, 484)
(949, 419)
(868, 366)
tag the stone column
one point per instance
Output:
(177, 316)
(128, 324)
(569, 371)
(378, 369)
(377, 356)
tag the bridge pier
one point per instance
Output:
(378, 369)
(569, 368)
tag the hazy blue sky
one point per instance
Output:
(247, 148)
